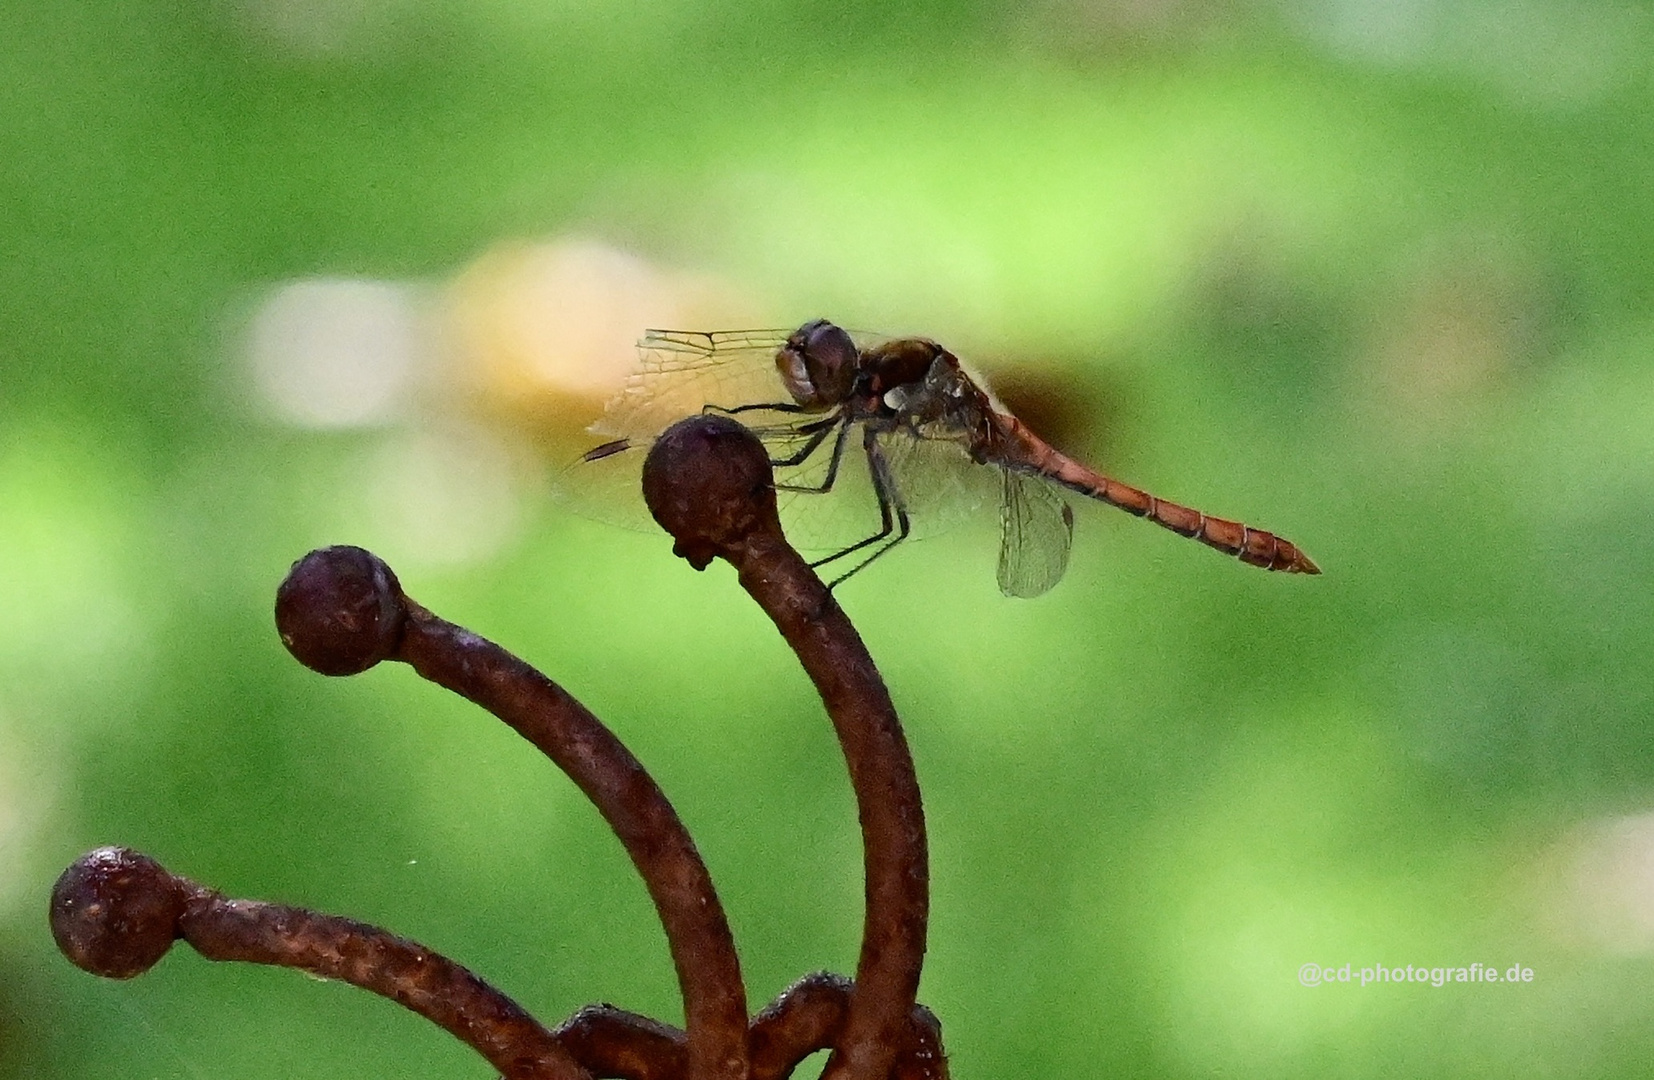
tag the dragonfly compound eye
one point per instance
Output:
(818, 364)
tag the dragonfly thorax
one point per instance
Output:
(899, 363)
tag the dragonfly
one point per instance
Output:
(898, 427)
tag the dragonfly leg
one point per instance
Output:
(818, 433)
(892, 514)
(816, 439)
(817, 430)
(786, 407)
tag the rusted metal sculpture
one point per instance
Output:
(341, 610)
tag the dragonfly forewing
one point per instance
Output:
(681, 373)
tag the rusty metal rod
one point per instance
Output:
(809, 1015)
(708, 482)
(116, 912)
(341, 610)
(612, 1042)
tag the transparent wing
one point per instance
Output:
(938, 481)
(606, 483)
(935, 481)
(681, 372)
(1036, 528)
(824, 521)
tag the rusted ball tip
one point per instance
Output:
(708, 482)
(340, 610)
(115, 912)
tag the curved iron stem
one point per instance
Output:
(708, 482)
(341, 609)
(115, 912)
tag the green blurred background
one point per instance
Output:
(1373, 275)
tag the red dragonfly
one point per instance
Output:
(927, 434)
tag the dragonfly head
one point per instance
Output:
(818, 364)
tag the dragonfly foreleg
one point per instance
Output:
(892, 514)
(780, 406)
(826, 485)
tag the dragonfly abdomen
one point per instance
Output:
(1257, 547)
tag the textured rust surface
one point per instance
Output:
(738, 523)
(119, 883)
